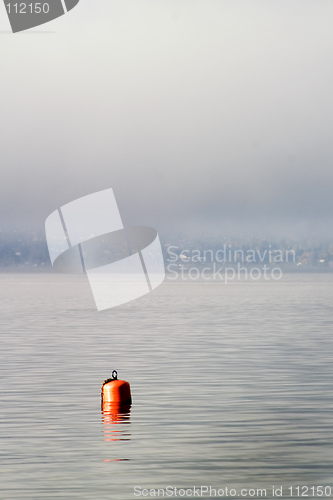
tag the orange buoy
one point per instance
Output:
(116, 391)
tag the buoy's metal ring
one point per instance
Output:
(114, 375)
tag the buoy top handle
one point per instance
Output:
(114, 376)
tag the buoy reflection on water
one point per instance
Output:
(116, 417)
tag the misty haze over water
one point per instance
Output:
(206, 118)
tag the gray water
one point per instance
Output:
(232, 387)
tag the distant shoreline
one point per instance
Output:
(49, 270)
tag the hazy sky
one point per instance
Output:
(203, 116)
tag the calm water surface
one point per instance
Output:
(232, 387)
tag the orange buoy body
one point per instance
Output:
(116, 391)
